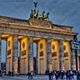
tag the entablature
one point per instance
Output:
(35, 25)
(62, 28)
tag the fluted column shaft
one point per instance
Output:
(61, 54)
(49, 58)
(30, 56)
(15, 54)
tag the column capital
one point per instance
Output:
(49, 40)
(31, 39)
(15, 35)
(61, 40)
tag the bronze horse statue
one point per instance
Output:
(43, 16)
(34, 13)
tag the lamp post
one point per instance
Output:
(76, 60)
(76, 56)
(76, 46)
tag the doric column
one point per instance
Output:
(61, 54)
(30, 56)
(49, 55)
(0, 52)
(70, 56)
(15, 54)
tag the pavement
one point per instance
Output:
(13, 78)
(23, 78)
(37, 77)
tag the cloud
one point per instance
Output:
(61, 11)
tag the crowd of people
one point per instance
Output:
(60, 75)
(64, 75)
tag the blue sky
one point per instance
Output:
(66, 12)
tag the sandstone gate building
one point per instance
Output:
(53, 51)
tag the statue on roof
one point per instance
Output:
(35, 13)
(44, 16)
(35, 4)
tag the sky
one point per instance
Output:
(64, 12)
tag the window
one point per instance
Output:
(64, 47)
(41, 53)
(66, 54)
(24, 53)
(54, 54)
(23, 44)
(9, 43)
(53, 46)
(9, 52)
(41, 46)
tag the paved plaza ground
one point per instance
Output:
(38, 77)
(13, 78)
(23, 78)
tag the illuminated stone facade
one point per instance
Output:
(53, 45)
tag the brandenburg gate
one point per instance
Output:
(53, 42)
